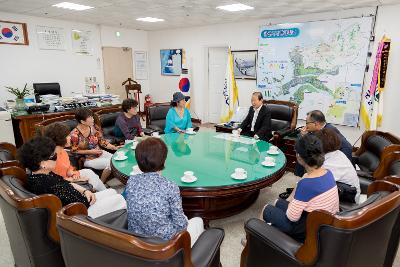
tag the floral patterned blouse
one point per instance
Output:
(154, 206)
(93, 141)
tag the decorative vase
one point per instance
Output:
(20, 104)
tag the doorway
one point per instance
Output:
(217, 59)
(117, 64)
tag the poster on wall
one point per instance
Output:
(318, 65)
(50, 38)
(82, 42)
(171, 62)
(244, 64)
(141, 65)
(14, 33)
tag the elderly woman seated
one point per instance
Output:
(39, 156)
(154, 202)
(59, 133)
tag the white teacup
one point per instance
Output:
(128, 141)
(269, 160)
(155, 134)
(189, 130)
(273, 149)
(120, 154)
(136, 169)
(240, 172)
(235, 133)
(188, 174)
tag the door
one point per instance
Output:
(217, 60)
(118, 67)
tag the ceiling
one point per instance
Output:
(177, 13)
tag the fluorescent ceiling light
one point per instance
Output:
(72, 6)
(150, 19)
(235, 7)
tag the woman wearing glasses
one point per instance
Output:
(39, 156)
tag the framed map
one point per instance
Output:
(318, 65)
(171, 62)
(14, 33)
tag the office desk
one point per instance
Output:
(24, 123)
(215, 194)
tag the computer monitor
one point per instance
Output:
(45, 89)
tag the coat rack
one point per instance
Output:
(136, 88)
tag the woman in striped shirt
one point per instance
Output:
(315, 191)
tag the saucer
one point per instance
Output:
(191, 133)
(272, 152)
(270, 164)
(134, 173)
(233, 175)
(121, 158)
(188, 180)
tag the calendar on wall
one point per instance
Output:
(50, 38)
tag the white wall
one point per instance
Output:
(20, 64)
(244, 36)
(28, 64)
(135, 39)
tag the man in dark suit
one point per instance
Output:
(315, 121)
(257, 123)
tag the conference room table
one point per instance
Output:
(213, 157)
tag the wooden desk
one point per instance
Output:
(25, 125)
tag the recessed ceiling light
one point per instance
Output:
(235, 7)
(150, 19)
(72, 6)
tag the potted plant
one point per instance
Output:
(19, 94)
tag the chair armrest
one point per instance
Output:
(365, 174)
(148, 131)
(205, 252)
(354, 158)
(268, 243)
(155, 128)
(284, 132)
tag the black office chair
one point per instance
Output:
(45, 89)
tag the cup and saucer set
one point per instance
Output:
(273, 150)
(188, 177)
(268, 162)
(120, 155)
(190, 131)
(239, 174)
(135, 170)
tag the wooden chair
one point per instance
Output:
(363, 236)
(68, 120)
(30, 221)
(102, 243)
(8, 155)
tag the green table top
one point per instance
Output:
(212, 159)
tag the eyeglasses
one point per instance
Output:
(53, 157)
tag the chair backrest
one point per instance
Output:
(375, 146)
(30, 221)
(157, 114)
(40, 89)
(68, 120)
(283, 114)
(8, 154)
(83, 240)
(358, 237)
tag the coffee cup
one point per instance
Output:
(269, 160)
(188, 174)
(235, 133)
(120, 154)
(155, 134)
(136, 169)
(189, 130)
(240, 172)
(273, 149)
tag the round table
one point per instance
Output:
(212, 157)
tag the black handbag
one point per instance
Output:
(347, 193)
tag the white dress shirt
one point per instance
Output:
(342, 170)
(253, 122)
